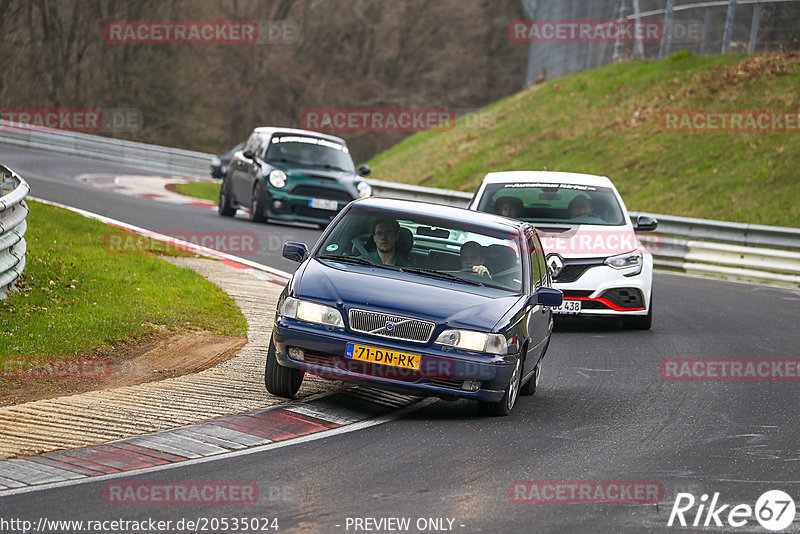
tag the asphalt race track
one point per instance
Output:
(603, 413)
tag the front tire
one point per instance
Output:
(257, 204)
(279, 380)
(225, 203)
(508, 401)
(532, 385)
(640, 322)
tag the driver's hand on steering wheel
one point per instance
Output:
(481, 270)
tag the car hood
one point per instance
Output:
(587, 240)
(373, 288)
(315, 172)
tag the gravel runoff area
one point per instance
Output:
(231, 387)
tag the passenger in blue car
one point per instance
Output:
(386, 234)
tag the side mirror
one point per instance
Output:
(295, 251)
(547, 296)
(364, 170)
(249, 154)
(645, 223)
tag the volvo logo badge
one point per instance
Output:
(555, 264)
(389, 326)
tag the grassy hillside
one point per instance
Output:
(607, 121)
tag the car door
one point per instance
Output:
(539, 316)
(241, 169)
(254, 165)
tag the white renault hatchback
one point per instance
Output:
(593, 254)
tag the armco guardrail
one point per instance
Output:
(732, 250)
(13, 211)
(140, 155)
(738, 251)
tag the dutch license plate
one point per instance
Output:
(383, 356)
(323, 204)
(569, 307)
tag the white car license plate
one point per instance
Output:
(323, 204)
(569, 307)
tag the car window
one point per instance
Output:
(553, 203)
(428, 247)
(536, 267)
(252, 142)
(309, 151)
(542, 259)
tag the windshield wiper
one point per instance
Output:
(356, 259)
(326, 166)
(286, 160)
(440, 274)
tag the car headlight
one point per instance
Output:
(303, 310)
(470, 340)
(277, 178)
(626, 261)
(364, 189)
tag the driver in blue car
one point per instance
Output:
(386, 236)
(472, 257)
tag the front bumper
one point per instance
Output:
(442, 370)
(600, 291)
(287, 206)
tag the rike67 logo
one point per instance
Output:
(774, 511)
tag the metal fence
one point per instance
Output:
(709, 27)
(739, 251)
(13, 225)
(140, 155)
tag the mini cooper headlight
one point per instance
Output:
(471, 340)
(277, 178)
(303, 310)
(626, 261)
(364, 189)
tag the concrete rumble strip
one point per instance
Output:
(231, 387)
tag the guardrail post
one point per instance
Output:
(669, 17)
(728, 35)
(751, 48)
(706, 32)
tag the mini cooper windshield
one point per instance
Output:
(425, 246)
(309, 151)
(553, 203)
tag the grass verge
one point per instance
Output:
(78, 296)
(204, 190)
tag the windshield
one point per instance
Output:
(425, 246)
(553, 203)
(309, 151)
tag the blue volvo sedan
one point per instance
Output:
(418, 298)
